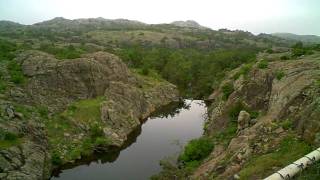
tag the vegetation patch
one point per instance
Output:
(244, 70)
(263, 64)
(8, 139)
(227, 90)
(87, 110)
(15, 72)
(195, 151)
(279, 74)
(66, 134)
(299, 50)
(7, 50)
(69, 52)
(286, 124)
(289, 150)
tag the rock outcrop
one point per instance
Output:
(124, 100)
(283, 92)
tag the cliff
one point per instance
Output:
(69, 108)
(263, 116)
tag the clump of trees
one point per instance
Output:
(194, 71)
(68, 52)
(299, 49)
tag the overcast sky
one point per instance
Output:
(257, 16)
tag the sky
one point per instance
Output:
(256, 16)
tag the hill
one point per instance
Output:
(303, 38)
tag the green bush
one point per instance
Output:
(10, 136)
(270, 51)
(43, 111)
(7, 50)
(234, 111)
(100, 141)
(284, 57)
(55, 159)
(227, 89)
(195, 151)
(263, 64)
(96, 131)
(15, 72)
(244, 70)
(286, 124)
(3, 86)
(279, 75)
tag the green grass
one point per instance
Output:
(8, 139)
(311, 173)
(78, 114)
(87, 110)
(290, 149)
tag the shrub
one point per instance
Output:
(3, 86)
(55, 158)
(244, 70)
(235, 110)
(43, 111)
(96, 131)
(227, 89)
(263, 64)
(8, 136)
(279, 75)
(145, 71)
(269, 51)
(284, 57)
(195, 151)
(15, 72)
(286, 124)
(100, 141)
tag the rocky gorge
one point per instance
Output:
(72, 88)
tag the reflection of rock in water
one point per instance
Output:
(112, 153)
(170, 110)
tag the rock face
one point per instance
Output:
(128, 98)
(56, 83)
(189, 24)
(292, 96)
(29, 159)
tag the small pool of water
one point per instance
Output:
(161, 136)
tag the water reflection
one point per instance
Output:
(139, 157)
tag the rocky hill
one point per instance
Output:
(263, 117)
(67, 109)
(303, 38)
(188, 23)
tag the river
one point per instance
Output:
(161, 136)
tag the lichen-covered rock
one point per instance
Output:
(55, 83)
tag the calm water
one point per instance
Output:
(161, 136)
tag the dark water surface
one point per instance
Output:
(161, 136)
